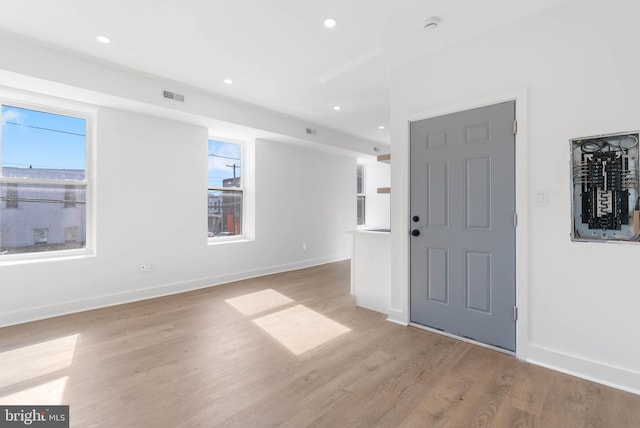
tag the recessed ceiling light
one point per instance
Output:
(337, 108)
(103, 39)
(431, 23)
(330, 22)
(381, 127)
(228, 81)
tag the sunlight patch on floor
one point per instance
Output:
(300, 329)
(33, 361)
(47, 393)
(254, 303)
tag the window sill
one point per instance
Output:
(228, 239)
(21, 259)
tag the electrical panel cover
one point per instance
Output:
(605, 190)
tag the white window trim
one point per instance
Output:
(242, 188)
(67, 108)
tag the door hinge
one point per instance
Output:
(515, 219)
(515, 313)
(515, 127)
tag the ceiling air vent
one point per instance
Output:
(173, 96)
(311, 131)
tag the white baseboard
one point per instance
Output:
(74, 306)
(606, 374)
(397, 317)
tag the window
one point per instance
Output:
(225, 189)
(12, 195)
(70, 234)
(69, 196)
(361, 198)
(43, 180)
(40, 236)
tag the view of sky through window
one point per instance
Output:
(224, 162)
(34, 139)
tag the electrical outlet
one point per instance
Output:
(147, 267)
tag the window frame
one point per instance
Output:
(361, 195)
(242, 190)
(66, 108)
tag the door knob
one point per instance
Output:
(415, 218)
(415, 232)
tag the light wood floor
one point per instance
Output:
(297, 354)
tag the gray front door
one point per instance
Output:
(463, 237)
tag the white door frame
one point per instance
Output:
(399, 310)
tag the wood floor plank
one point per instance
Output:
(512, 417)
(397, 392)
(196, 360)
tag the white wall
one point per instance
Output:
(303, 197)
(378, 205)
(579, 64)
(151, 207)
(77, 78)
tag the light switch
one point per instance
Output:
(542, 198)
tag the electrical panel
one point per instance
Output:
(606, 190)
